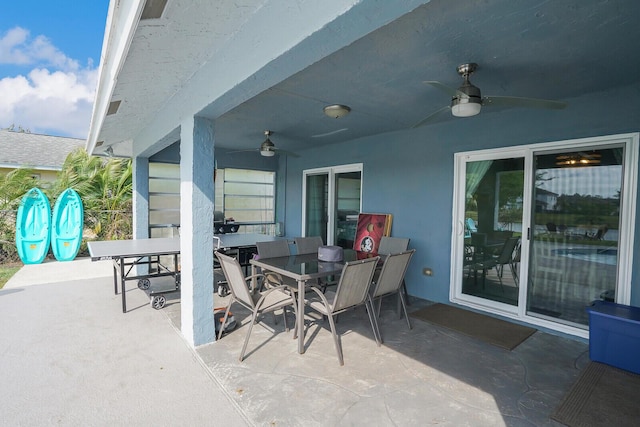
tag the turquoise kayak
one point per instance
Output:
(67, 225)
(32, 227)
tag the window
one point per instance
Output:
(247, 196)
(164, 199)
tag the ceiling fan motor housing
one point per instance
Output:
(267, 148)
(468, 99)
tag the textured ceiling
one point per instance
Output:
(542, 49)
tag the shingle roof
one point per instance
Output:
(19, 149)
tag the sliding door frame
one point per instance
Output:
(630, 143)
(331, 171)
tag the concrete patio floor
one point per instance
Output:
(72, 357)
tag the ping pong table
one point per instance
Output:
(126, 254)
(241, 246)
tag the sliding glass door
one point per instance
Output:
(332, 199)
(574, 252)
(493, 228)
(541, 231)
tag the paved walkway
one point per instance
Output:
(69, 356)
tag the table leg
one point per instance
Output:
(122, 287)
(115, 277)
(254, 280)
(300, 317)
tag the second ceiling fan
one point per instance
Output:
(268, 148)
(467, 100)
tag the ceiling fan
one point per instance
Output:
(467, 101)
(268, 148)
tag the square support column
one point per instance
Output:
(140, 183)
(140, 203)
(196, 230)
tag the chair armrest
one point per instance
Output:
(272, 279)
(249, 280)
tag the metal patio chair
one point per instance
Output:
(352, 291)
(390, 280)
(259, 302)
(308, 245)
(275, 249)
(395, 245)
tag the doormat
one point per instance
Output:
(486, 328)
(602, 396)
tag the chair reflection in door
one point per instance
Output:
(483, 260)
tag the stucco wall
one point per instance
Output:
(410, 173)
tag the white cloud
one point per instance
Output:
(17, 48)
(55, 97)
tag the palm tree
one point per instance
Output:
(13, 186)
(105, 188)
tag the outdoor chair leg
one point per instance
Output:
(254, 317)
(374, 322)
(336, 339)
(406, 294)
(224, 319)
(404, 306)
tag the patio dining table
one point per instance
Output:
(301, 268)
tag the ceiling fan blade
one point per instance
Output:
(432, 117)
(243, 151)
(444, 88)
(515, 101)
(288, 153)
(322, 135)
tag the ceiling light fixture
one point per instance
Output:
(267, 148)
(466, 107)
(336, 111)
(468, 100)
(578, 159)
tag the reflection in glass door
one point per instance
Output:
(317, 205)
(347, 203)
(575, 223)
(493, 229)
(332, 202)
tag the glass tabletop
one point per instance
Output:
(300, 267)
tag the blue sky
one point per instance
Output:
(49, 59)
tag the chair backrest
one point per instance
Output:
(392, 273)
(393, 245)
(274, 249)
(354, 284)
(308, 245)
(506, 255)
(235, 278)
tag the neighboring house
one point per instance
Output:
(546, 200)
(44, 154)
(194, 82)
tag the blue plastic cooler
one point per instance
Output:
(614, 335)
